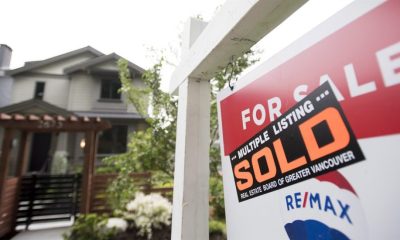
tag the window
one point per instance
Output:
(39, 90)
(113, 140)
(109, 89)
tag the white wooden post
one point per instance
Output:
(190, 203)
(237, 27)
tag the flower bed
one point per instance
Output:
(162, 233)
(146, 217)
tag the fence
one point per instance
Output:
(48, 198)
(7, 211)
(52, 198)
(98, 202)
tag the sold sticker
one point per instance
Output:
(310, 139)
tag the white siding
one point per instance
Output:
(138, 83)
(6, 83)
(112, 65)
(110, 106)
(78, 92)
(58, 67)
(55, 91)
(83, 92)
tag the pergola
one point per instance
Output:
(28, 124)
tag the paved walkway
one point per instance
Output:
(44, 234)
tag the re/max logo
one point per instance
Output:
(319, 202)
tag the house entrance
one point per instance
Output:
(33, 198)
(40, 152)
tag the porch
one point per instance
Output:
(25, 199)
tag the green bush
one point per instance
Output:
(90, 227)
(217, 228)
(120, 191)
(217, 198)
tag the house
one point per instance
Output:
(83, 82)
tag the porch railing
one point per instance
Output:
(48, 198)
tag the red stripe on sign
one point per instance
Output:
(305, 199)
(360, 60)
(336, 178)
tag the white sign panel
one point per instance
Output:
(310, 139)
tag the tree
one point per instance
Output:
(154, 149)
(148, 150)
(221, 79)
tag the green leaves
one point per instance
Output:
(137, 95)
(120, 192)
(153, 149)
(90, 226)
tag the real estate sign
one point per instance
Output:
(310, 140)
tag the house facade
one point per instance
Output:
(83, 82)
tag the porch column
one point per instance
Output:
(88, 170)
(23, 154)
(4, 159)
(22, 162)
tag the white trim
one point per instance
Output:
(236, 28)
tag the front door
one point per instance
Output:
(40, 152)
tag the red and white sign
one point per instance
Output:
(358, 52)
(361, 61)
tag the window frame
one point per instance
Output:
(109, 90)
(40, 87)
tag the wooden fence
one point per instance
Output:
(7, 211)
(49, 198)
(98, 202)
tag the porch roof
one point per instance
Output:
(52, 123)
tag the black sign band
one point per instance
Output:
(310, 139)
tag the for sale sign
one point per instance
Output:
(310, 139)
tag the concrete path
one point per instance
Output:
(44, 234)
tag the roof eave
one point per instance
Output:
(54, 59)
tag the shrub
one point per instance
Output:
(118, 224)
(148, 212)
(217, 229)
(90, 227)
(120, 191)
(217, 198)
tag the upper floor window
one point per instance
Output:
(39, 90)
(109, 89)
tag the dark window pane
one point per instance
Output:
(109, 89)
(113, 140)
(39, 90)
(104, 89)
